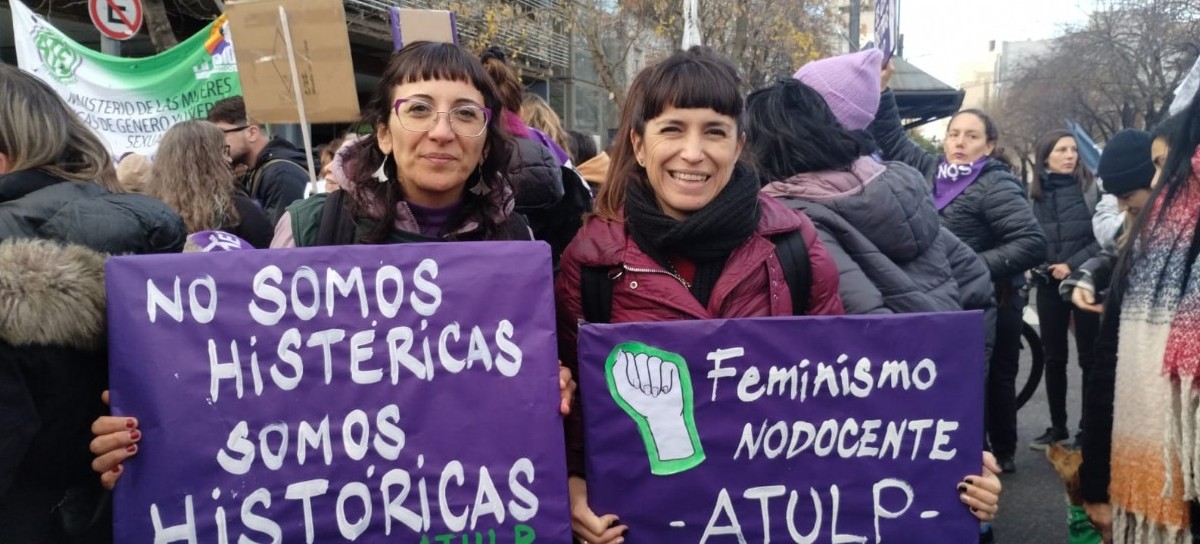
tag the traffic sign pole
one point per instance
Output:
(109, 46)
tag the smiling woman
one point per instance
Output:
(432, 169)
(681, 230)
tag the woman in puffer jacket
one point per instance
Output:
(876, 219)
(984, 205)
(57, 179)
(1064, 197)
(58, 186)
(535, 167)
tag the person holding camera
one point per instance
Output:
(1064, 198)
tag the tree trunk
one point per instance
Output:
(159, 27)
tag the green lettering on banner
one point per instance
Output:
(129, 102)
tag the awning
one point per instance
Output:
(920, 97)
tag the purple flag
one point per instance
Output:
(404, 393)
(831, 429)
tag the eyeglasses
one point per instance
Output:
(418, 116)
(235, 129)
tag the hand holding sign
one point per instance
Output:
(115, 441)
(654, 388)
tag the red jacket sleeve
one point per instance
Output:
(823, 299)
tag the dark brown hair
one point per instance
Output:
(508, 83)
(230, 110)
(990, 132)
(696, 78)
(424, 61)
(1045, 146)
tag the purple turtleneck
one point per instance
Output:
(432, 221)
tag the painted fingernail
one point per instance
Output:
(962, 488)
(135, 435)
(116, 469)
(130, 423)
(132, 448)
(969, 481)
(973, 509)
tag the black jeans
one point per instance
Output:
(1001, 407)
(1194, 510)
(1055, 315)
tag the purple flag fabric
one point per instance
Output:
(827, 429)
(404, 393)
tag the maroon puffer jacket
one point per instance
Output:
(751, 285)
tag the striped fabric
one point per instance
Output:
(1155, 455)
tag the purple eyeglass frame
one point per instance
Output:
(486, 111)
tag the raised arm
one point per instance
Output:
(889, 135)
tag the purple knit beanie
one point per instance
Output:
(849, 83)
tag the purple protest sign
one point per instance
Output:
(886, 28)
(827, 429)
(403, 393)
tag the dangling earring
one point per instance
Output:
(480, 188)
(380, 175)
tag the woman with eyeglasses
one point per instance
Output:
(433, 169)
(193, 174)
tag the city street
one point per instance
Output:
(1033, 508)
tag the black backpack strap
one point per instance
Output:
(337, 224)
(517, 229)
(792, 253)
(595, 291)
(257, 176)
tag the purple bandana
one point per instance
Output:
(953, 179)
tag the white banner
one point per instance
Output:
(130, 103)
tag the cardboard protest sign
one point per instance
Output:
(414, 25)
(846, 429)
(378, 393)
(129, 102)
(321, 45)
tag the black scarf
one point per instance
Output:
(707, 237)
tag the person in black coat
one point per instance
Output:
(1064, 197)
(53, 368)
(876, 219)
(275, 171)
(60, 211)
(983, 203)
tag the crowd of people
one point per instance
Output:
(681, 217)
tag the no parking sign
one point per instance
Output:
(116, 19)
